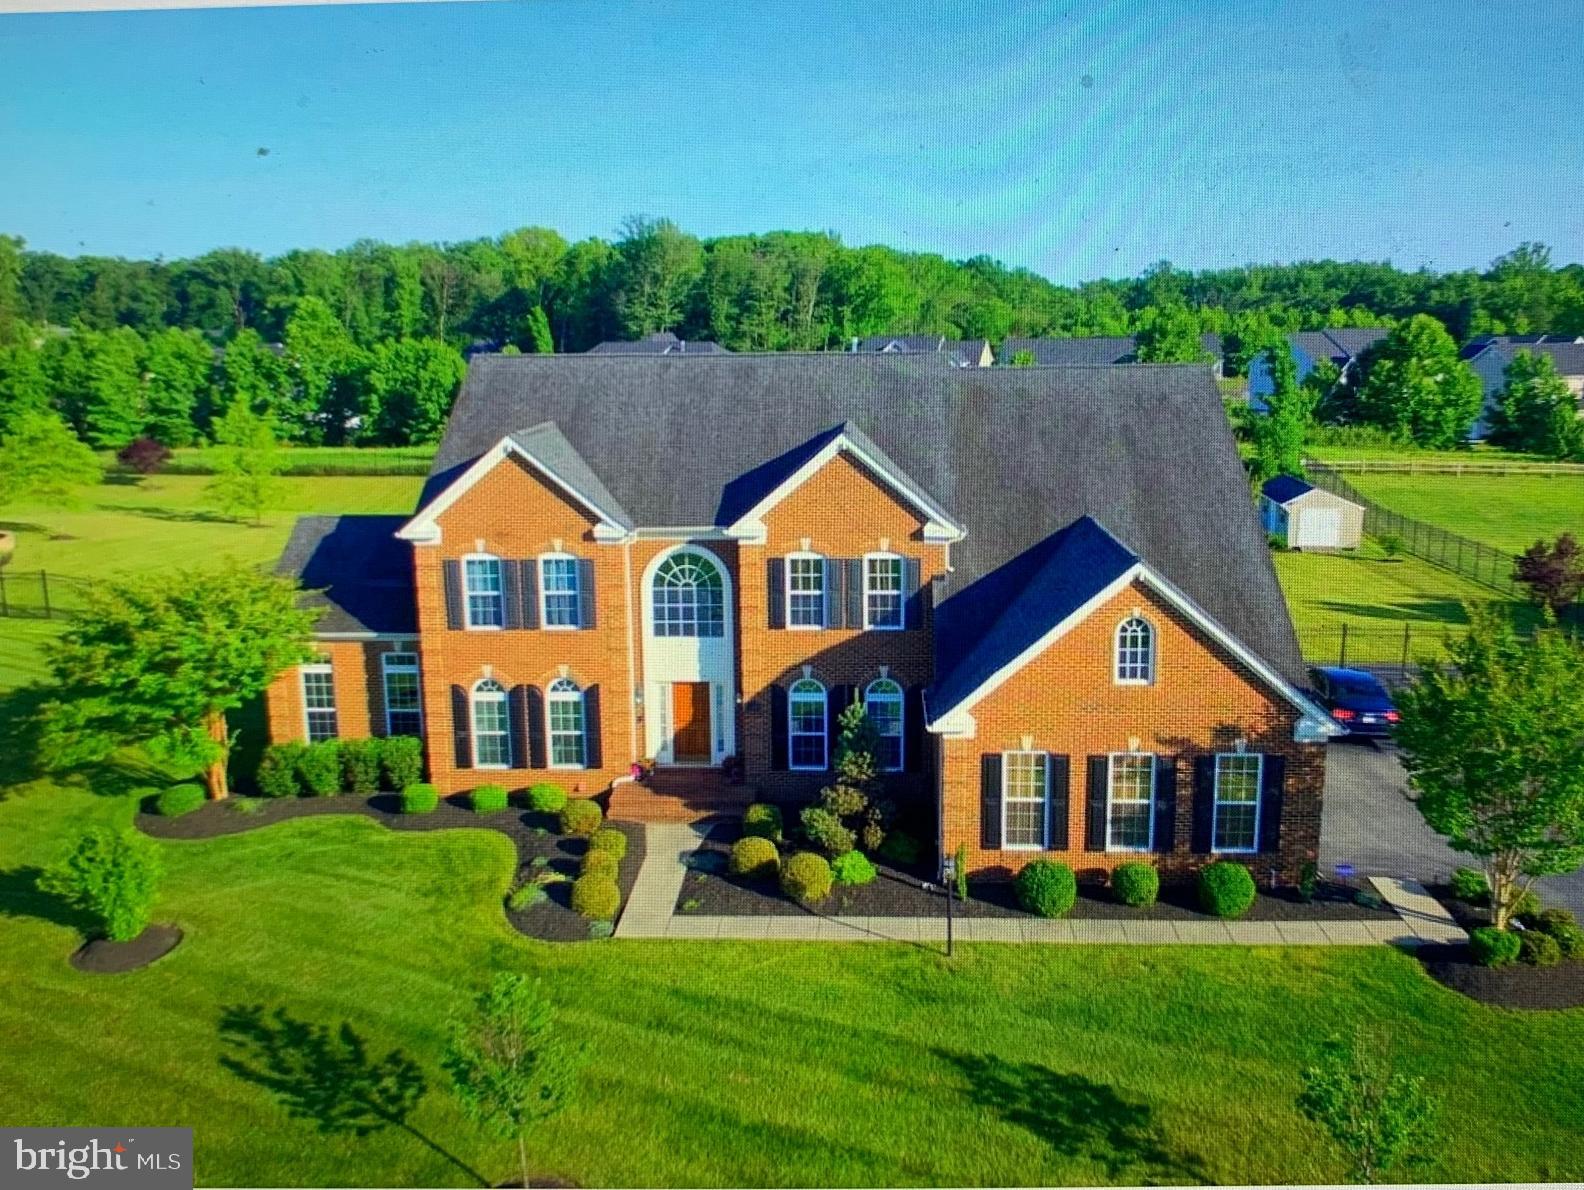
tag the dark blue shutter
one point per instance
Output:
(912, 594)
(1204, 804)
(461, 718)
(855, 592)
(1056, 807)
(517, 724)
(1165, 804)
(835, 593)
(775, 591)
(585, 581)
(778, 728)
(451, 573)
(990, 801)
(528, 570)
(509, 600)
(837, 700)
(534, 713)
(591, 728)
(914, 737)
(1095, 806)
(1273, 788)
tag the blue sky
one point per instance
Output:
(1079, 140)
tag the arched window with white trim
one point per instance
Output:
(806, 721)
(883, 705)
(560, 600)
(1135, 652)
(564, 711)
(484, 591)
(491, 726)
(689, 596)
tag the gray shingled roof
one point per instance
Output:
(659, 343)
(549, 445)
(1094, 349)
(1565, 353)
(1013, 454)
(361, 575)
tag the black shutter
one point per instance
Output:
(912, 594)
(1204, 804)
(855, 592)
(591, 728)
(534, 728)
(1165, 804)
(451, 571)
(835, 600)
(775, 591)
(460, 720)
(837, 700)
(585, 581)
(778, 728)
(1273, 787)
(1095, 804)
(990, 801)
(914, 738)
(1056, 809)
(529, 570)
(509, 599)
(517, 723)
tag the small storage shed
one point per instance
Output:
(1305, 517)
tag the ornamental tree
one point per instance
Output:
(111, 875)
(1416, 386)
(162, 659)
(1381, 1117)
(1494, 747)
(1553, 573)
(42, 460)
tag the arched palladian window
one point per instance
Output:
(883, 705)
(564, 710)
(491, 726)
(689, 596)
(806, 724)
(1135, 652)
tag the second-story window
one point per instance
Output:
(485, 596)
(882, 591)
(689, 596)
(558, 585)
(806, 591)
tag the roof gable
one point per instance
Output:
(356, 573)
(1284, 488)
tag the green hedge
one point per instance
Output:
(1046, 887)
(1226, 889)
(609, 840)
(419, 799)
(1136, 884)
(179, 800)
(401, 760)
(581, 818)
(360, 766)
(489, 799)
(319, 769)
(278, 771)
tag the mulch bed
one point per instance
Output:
(104, 957)
(899, 892)
(1516, 986)
(540, 850)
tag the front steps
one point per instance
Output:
(680, 795)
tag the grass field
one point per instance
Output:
(1508, 512)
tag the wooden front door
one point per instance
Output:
(690, 721)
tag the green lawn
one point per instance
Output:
(1508, 512)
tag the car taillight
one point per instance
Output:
(1392, 717)
(1344, 714)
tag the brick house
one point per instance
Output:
(1047, 586)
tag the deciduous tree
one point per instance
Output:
(247, 465)
(177, 368)
(1415, 385)
(1538, 412)
(1382, 1118)
(111, 875)
(412, 383)
(42, 461)
(1553, 573)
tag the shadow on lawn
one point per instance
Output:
(1077, 1117)
(326, 1075)
(154, 512)
(20, 896)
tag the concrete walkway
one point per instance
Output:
(1422, 913)
(660, 878)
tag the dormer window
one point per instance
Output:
(805, 578)
(485, 598)
(883, 606)
(1135, 652)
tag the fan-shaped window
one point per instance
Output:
(564, 707)
(1135, 652)
(883, 705)
(806, 724)
(491, 730)
(689, 596)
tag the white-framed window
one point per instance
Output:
(883, 705)
(1025, 790)
(403, 702)
(689, 596)
(319, 701)
(559, 604)
(564, 710)
(883, 591)
(1135, 652)
(805, 593)
(491, 726)
(483, 595)
(1130, 802)
(1237, 801)
(806, 725)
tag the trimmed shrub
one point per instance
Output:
(179, 800)
(596, 897)
(1046, 887)
(112, 875)
(581, 817)
(1468, 884)
(600, 863)
(1528, 904)
(755, 857)
(278, 770)
(763, 819)
(360, 766)
(488, 799)
(401, 760)
(853, 868)
(899, 848)
(526, 897)
(143, 455)
(806, 878)
(1538, 950)
(826, 831)
(319, 769)
(547, 798)
(1491, 947)
(609, 840)
(1226, 889)
(419, 799)
(1561, 925)
(1136, 884)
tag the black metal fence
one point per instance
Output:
(40, 595)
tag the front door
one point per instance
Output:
(690, 722)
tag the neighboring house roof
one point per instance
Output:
(970, 352)
(1101, 349)
(1340, 345)
(1285, 488)
(359, 573)
(660, 343)
(1566, 353)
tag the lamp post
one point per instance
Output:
(948, 878)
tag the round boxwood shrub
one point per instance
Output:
(419, 799)
(853, 868)
(1538, 950)
(1468, 884)
(489, 799)
(754, 857)
(600, 863)
(179, 800)
(1046, 887)
(1561, 925)
(1491, 947)
(581, 817)
(763, 819)
(806, 878)
(1136, 884)
(1226, 889)
(609, 840)
(595, 896)
(547, 798)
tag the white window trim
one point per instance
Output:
(386, 669)
(901, 592)
(473, 731)
(1044, 843)
(1150, 818)
(553, 695)
(1215, 803)
(1116, 652)
(318, 667)
(806, 556)
(824, 728)
(467, 603)
(544, 593)
(900, 698)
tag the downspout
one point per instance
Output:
(634, 752)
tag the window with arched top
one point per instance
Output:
(564, 711)
(1135, 652)
(806, 722)
(491, 726)
(883, 706)
(689, 596)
